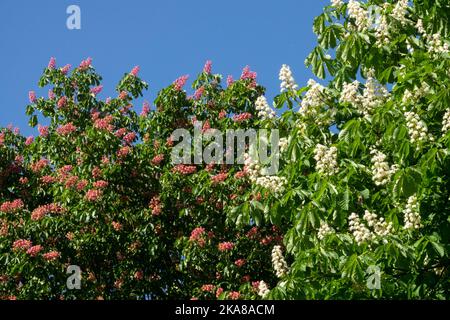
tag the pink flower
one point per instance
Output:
(51, 63)
(157, 159)
(85, 64)
(66, 69)
(226, 246)
(34, 250)
(199, 92)
(42, 211)
(32, 96)
(62, 102)
(145, 109)
(47, 179)
(93, 195)
(248, 74)
(43, 131)
(21, 244)
(123, 152)
(234, 295)
(66, 129)
(116, 225)
(29, 140)
(100, 184)
(129, 137)
(96, 172)
(219, 291)
(103, 123)
(12, 206)
(71, 182)
(239, 262)
(123, 95)
(255, 285)
(230, 80)
(139, 275)
(135, 71)
(96, 90)
(240, 175)
(222, 114)
(197, 234)
(242, 117)
(207, 67)
(2, 138)
(180, 82)
(184, 169)
(219, 177)
(23, 180)
(81, 185)
(52, 255)
(155, 205)
(208, 287)
(51, 95)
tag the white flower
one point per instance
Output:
(275, 184)
(337, 3)
(326, 160)
(382, 32)
(313, 99)
(360, 15)
(374, 94)
(286, 78)
(446, 122)
(263, 289)
(278, 262)
(350, 93)
(400, 11)
(283, 144)
(263, 108)
(411, 214)
(420, 28)
(436, 45)
(362, 232)
(381, 172)
(417, 129)
(412, 97)
(324, 230)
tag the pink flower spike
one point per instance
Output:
(180, 82)
(145, 109)
(199, 93)
(85, 64)
(32, 96)
(43, 131)
(29, 140)
(66, 68)
(135, 71)
(230, 80)
(208, 66)
(51, 95)
(51, 63)
(96, 90)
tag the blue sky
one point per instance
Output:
(165, 38)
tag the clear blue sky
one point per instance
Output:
(165, 38)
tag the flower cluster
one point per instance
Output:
(12, 206)
(263, 289)
(184, 169)
(324, 230)
(179, 83)
(283, 144)
(52, 255)
(286, 78)
(226, 246)
(411, 97)
(278, 262)
(275, 184)
(350, 93)
(21, 244)
(242, 117)
(66, 129)
(42, 211)
(373, 95)
(356, 12)
(313, 99)
(197, 235)
(263, 108)
(381, 172)
(382, 32)
(337, 3)
(400, 10)
(446, 121)
(417, 129)
(412, 214)
(434, 41)
(155, 205)
(361, 232)
(326, 160)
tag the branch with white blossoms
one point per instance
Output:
(263, 289)
(400, 11)
(324, 230)
(381, 172)
(337, 3)
(382, 32)
(412, 214)
(278, 262)
(417, 129)
(275, 184)
(287, 80)
(326, 160)
(264, 110)
(412, 97)
(313, 99)
(362, 231)
(359, 15)
(446, 122)
(435, 44)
